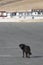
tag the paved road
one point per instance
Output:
(12, 34)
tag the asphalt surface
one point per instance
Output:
(13, 34)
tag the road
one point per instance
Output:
(12, 34)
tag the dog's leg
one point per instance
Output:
(29, 56)
(26, 55)
(23, 54)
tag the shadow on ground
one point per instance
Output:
(37, 57)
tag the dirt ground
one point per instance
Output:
(20, 5)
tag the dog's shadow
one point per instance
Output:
(37, 57)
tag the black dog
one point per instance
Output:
(26, 49)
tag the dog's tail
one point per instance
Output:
(30, 53)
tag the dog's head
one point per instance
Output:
(22, 46)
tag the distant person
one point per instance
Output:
(26, 49)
